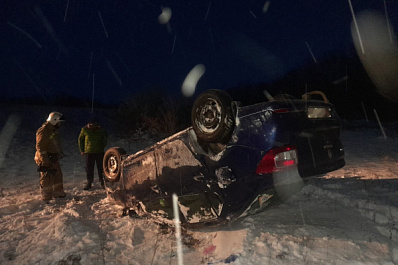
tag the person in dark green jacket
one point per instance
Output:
(92, 141)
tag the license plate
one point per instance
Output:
(318, 112)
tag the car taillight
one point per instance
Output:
(277, 159)
(281, 111)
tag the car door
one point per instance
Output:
(182, 172)
(139, 176)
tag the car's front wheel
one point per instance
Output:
(212, 117)
(112, 163)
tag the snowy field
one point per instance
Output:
(349, 216)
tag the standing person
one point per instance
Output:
(47, 156)
(92, 141)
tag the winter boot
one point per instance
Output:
(87, 186)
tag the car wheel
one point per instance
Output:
(212, 117)
(112, 163)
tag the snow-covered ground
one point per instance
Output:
(348, 216)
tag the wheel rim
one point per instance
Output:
(113, 166)
(209, 118)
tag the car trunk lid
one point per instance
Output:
(313, 126)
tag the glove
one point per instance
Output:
(45, 160)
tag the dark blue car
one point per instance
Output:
(233, 161)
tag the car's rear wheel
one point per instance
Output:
(112, 163)
(212, 117)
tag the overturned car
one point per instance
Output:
(233, 160)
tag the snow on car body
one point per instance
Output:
(234, 160)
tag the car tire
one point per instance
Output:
(112, 163)
(212, 117)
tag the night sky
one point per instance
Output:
(70, 47)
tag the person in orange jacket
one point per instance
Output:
(47, 156)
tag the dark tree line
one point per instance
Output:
(340, 76)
